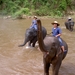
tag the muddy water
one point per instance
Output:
(16, 60)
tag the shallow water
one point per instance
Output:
(16, 60)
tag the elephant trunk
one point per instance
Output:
(25, 41)
(40, 37)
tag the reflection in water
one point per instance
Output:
(16, 60)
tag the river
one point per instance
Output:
(16, 60)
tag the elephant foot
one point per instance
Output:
(65, 51)
(61, 51)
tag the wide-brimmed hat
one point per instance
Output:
(35, 16)
(55, 22)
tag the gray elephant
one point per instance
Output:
(50, 47)
(31, 36)
(69, 24)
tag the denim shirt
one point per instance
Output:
(56, 31)
(34, 24)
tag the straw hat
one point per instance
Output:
(35, 16)
(55, 22)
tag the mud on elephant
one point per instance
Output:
(31, 36)
(50, 47)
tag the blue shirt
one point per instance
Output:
(34, 24)
(56, 31)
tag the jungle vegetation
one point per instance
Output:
(36, 7)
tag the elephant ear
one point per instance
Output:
(59, 50)
(56, 47)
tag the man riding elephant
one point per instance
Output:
(69, 24)
(34, 23)
(31, 34)
(56, 32)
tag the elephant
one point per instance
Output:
(66, 25)
(50, 47)
(31, 36)
(69, 25)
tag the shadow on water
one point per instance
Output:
(16, 60)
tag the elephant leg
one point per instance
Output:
(46, 68)
(71, 28)
(29, 43)
(56, 67)
(33, 45)
(34, 41)
(66, 26)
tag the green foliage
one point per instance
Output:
(20, 12)
(43, 10)
(17, 14)
(24, 10)
(62, 5)
(38, 7)
(58, 13)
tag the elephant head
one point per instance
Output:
(50, 47)
(31, 36)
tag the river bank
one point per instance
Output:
(42, 17)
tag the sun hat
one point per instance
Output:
(69, 18)
(35, 16)
(55, 22)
